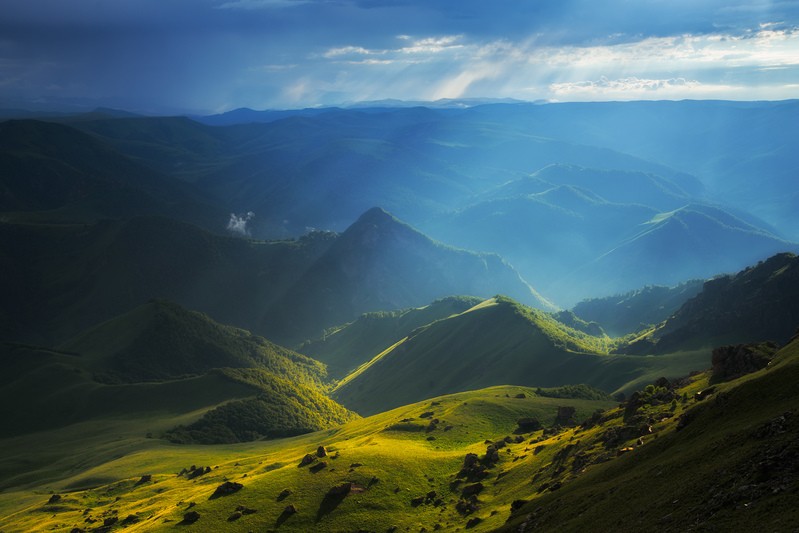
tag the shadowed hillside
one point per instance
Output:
(757, 303)
(163, 360)
(346, 347)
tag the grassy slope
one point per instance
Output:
(404, 460)
(494, 343)
(163, 359)
(733, 467)
(345, 348)
(162, 340)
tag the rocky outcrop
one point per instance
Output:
(730, 362)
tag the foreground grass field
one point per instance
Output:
(390, 459)
(690, 455)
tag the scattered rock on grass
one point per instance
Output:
(191, 517)
(472, 489)
(318, 467)
(340, 490)
(227, 488)
(473, 522)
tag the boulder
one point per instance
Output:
(321, 465)
(227, 488)
(308, 459)
(473, 522)
(191, 517)
(321, 451)
(340, 490)
(528, 424)
(473, 489)
(565, 416)
(290, 510)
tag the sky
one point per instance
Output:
(211, 56)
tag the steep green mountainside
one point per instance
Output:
(728, 464)
(163, 360)
(346, 347)
(380, 263)
(497, 342)
(632, 311)
(55, 173)
(162, 340)
(757, 303)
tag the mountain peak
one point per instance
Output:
(376, 215)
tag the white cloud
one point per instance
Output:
(416, 50)
(619, 86)
(261, 4)
(721, 65)
(237, 224)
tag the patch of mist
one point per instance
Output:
(238, 223)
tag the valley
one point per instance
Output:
(494, 317)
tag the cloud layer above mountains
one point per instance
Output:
(216, 55)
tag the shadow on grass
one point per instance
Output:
(329, 504)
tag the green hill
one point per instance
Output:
(162, 340)
(346, 347)
(161, 360)
(756, 303)
(497, 342)
(728, 464)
